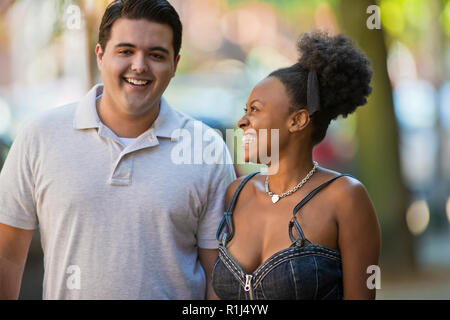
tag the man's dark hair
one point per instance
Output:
(160, 11)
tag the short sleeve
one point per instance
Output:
(224, 175)
(17, 204)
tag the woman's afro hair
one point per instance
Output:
(343, 73)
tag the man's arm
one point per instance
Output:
(14, 245)
(207, 259)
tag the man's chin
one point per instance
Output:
(138, 108)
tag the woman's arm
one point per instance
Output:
(359, 239)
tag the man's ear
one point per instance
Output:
(99, 53)
(176, 65)
(299, 120)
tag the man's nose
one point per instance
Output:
(139, 63)
(243, 122)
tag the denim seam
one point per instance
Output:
(293, 279)
(262, 292)
(324, 249)
(213, 268)
(317, 279)
(272, 264)
(232, 270)
(301, 253)
(234, 263)
(269, 268)
(330, 292)
(230, 265)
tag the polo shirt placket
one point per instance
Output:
(122, 168)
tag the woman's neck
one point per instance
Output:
(291, 168)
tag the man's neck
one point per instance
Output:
(125, 126)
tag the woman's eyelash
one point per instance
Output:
(251, 109)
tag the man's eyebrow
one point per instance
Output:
(123, 44)
(159, 48)
(130, 45)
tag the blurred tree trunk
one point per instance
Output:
(378, 151)
(91, 19)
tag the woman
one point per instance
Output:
(301, 232)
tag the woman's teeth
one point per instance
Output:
(246, 139)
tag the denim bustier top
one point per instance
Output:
(302, 271)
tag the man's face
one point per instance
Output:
(137, 65)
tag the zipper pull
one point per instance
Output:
(248, 281)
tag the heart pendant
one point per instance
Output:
(275, 198)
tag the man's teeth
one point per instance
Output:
(137, 82)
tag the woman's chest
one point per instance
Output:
(262, 229)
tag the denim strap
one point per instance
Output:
(294, 222)
(226, 220)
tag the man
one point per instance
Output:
(118, 219)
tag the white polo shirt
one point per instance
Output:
(116, 222)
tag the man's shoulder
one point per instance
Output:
(193, 125)
(51, 119)
(184, 120)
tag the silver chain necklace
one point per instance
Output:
(276, 197)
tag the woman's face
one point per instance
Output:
(267, 108)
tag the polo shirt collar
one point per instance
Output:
(86, 116)
(168, 120)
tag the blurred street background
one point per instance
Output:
(398, 144)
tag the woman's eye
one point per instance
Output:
(252, 109)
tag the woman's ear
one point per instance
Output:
(298, 120)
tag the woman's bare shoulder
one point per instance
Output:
(344, 185)
(351, 200)
(233, 187)
(347, 193)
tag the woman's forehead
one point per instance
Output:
(270, 90)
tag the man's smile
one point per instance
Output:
(139, 83)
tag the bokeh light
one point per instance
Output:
(418, 217)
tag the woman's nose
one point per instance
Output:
(243, 122)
